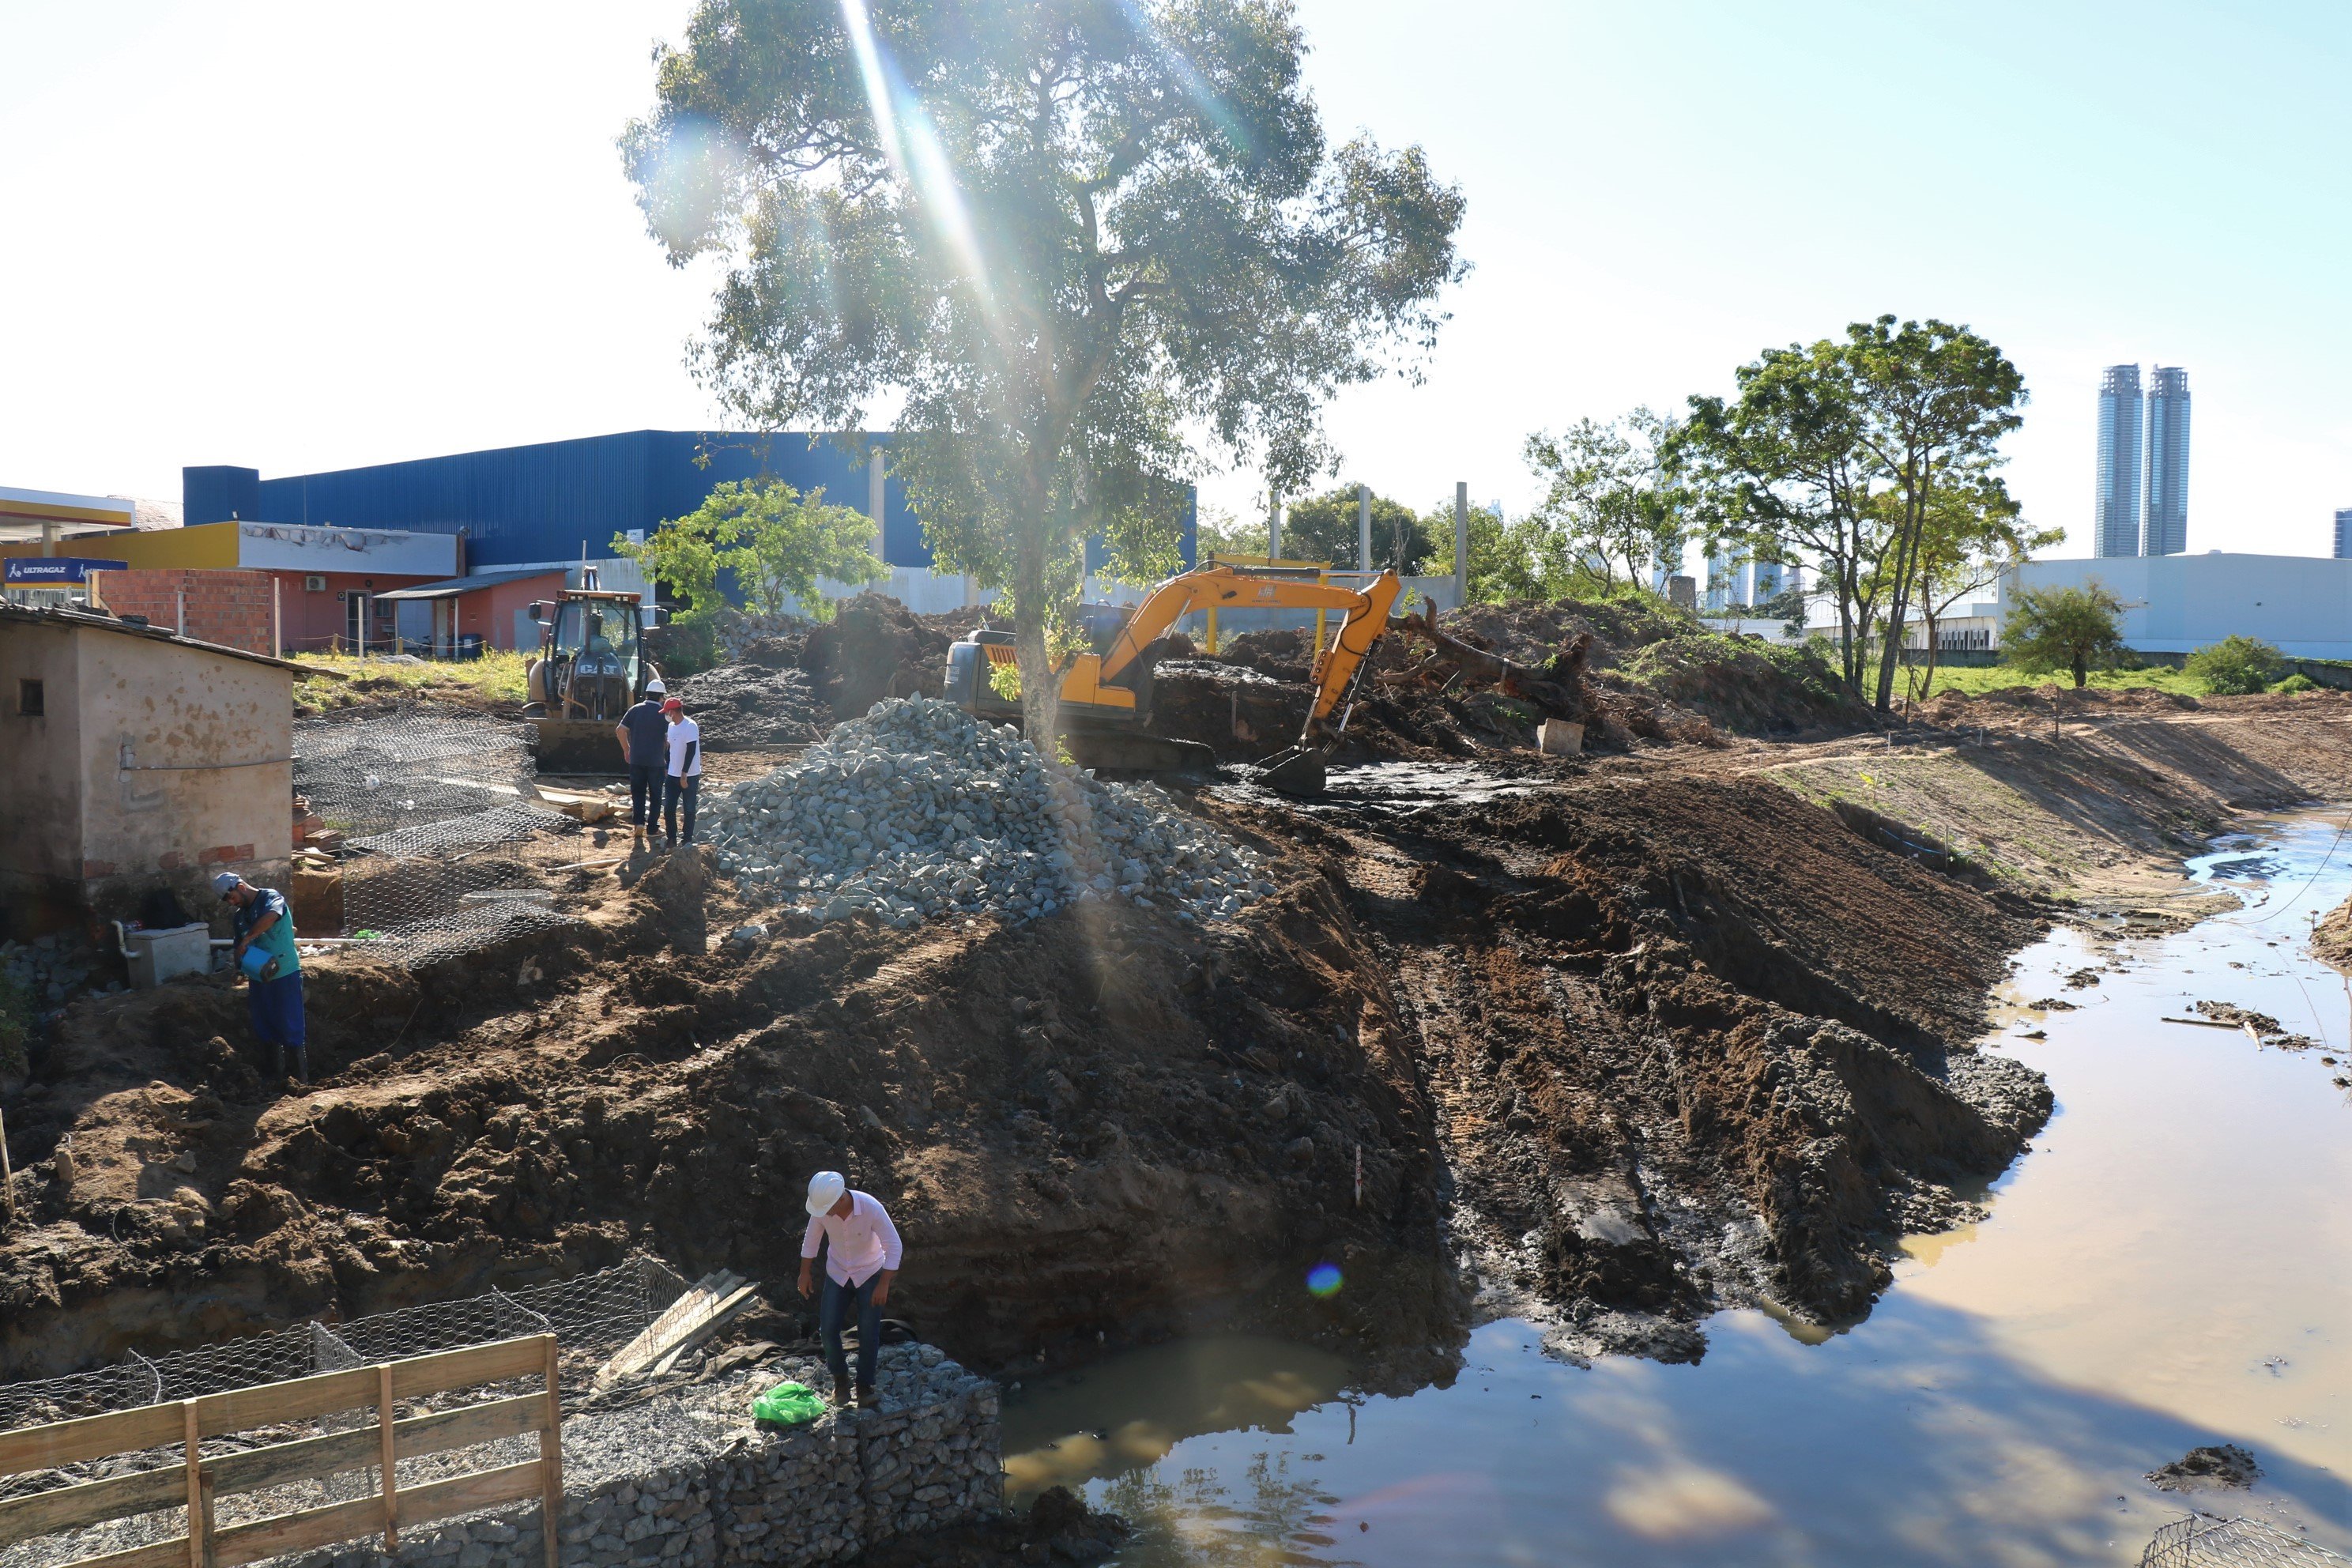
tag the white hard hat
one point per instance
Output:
(824, 1191)
(654, 688)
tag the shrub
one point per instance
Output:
(2234, 666)
(2296, 683)
(2076, 630)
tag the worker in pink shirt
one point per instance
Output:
(862, 1254)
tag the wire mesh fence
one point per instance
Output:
(2197, 1542)
(447, 845)
(591, 1316)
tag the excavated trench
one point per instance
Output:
(1614, 1055)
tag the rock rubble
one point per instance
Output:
(917, 810)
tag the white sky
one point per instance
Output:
(302, 238)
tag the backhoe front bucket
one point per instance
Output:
(1297, 771)
(577, 746)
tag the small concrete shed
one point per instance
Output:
(133, 759)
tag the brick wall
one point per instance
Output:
(231, 608)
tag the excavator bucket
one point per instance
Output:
(577, 746)
(1296, 770)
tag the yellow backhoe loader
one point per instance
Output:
(589, 667)
(1105, 697)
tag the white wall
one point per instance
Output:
(287, 547)
(2302, 604)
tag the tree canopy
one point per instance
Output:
(2073, 630)
(775, 541)
(1057, 235)
(1611, 496)
(1323, 528)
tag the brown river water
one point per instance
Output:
(2170, 1266)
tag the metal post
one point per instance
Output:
(360, 620)
(875, 475)
(1461, 543)
(1273, 526)
(277, 617)
(179, 615)
(1363, 527)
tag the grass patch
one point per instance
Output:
(493, 681)
(1976, 682)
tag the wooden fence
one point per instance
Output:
(201, 1480)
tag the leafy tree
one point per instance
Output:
(1837, 451)
(2237, 666)
(2077, 629)
(776, 541)
(1323, 528)
(1054, 235)
(1974, 537)
(1611, 493)
(1222, 532)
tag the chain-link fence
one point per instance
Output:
(2197, 1542)
(447, 844)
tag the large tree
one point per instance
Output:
(1324, 528)
(1835, 451)
(1056, 235)
(1611, 493)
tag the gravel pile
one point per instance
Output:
(752, 705)
(919, 810)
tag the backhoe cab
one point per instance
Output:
(1105, 697)
(589, 667)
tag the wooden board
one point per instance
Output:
(90, 1437)
(483, 1488)
(92, 1502)
(172, 1553)
(295, 1532)
(463, 1369)
(683, 1318)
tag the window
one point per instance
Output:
(30, 703)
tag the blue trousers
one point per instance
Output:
(276, 1009)
(687, 789)
(645, 794)
(837, 1303)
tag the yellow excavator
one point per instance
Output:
(1105, 697)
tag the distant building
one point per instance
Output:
(1766, 582)
(2301, 605)
(2116, 528)
(1727, 576)
(2344, 534)
(2166, 529)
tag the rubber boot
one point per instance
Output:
(841, 1396)
(866, 1398)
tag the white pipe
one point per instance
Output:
(1273, 526)
(1363, 527)
(1461, 543)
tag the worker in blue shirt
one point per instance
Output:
(262, 922)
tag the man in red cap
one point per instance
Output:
(684, 780)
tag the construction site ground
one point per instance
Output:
(1607, 1041)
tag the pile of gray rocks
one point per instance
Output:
(47, 970)
(919, 810)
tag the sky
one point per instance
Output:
(300, 237)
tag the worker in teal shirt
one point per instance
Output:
(265, 924)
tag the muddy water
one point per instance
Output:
(2170, 1266)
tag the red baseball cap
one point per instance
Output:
(673, 703)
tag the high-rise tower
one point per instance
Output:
(2167, 529)
(2344, 534)
(2115, 531)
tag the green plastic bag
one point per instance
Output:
(789, 1405)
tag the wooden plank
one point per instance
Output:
(89, 1438)
(551, 1465)
(721, 1314)
(462, 1369)
(197, 1543)
(297, 1399)
(170, 1554)
(482, 1488)
(686, 1318)
(295, 1531)
(311, 1457)
(92, 1502)
(387, 1465)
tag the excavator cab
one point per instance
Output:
(1106, 697)
(590, 667)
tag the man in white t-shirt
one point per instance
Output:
(685, 780)
(861, 1258)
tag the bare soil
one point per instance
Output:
(1661, 1034)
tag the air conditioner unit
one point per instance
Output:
(314, 585)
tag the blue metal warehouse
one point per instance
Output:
(543, 504)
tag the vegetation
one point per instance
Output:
(1057, 235)
(775, 542)
(1610, 500)
(1841, 452)
(493, 681)
(1979, 679)
(2235, 667)
(2295, 684)
(1323, 528)
(2073, 629)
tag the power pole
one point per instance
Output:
(1272, 525)
(1363, 527)
(1461, 543)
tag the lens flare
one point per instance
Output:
(1324, 1280)
(912, 143)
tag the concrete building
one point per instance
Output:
(2165, 528)
(2115, 530)
(494, 608)
(323, 580)
(2344, 533)
(136, 760)
(2177, 603)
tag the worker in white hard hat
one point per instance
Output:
(263, 921)
(644, 734)
(862, 1255)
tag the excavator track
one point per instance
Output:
(1137, 751)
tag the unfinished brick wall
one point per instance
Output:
(227, 607)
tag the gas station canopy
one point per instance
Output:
(38, 516)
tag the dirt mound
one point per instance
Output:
(2225, 1466)
(1746, 685)
(875, 648)
(743, 705)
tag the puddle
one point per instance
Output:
(2170, 1267)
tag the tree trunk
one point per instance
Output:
(2082, 674)
(1041, 689)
